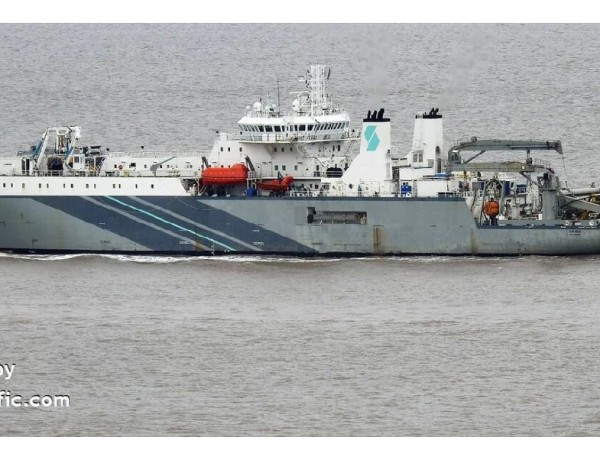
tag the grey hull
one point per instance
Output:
(289, 225)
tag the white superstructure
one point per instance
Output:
(314, 139)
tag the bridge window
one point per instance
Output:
(310, 127)
(302, 127)
(277, 128)
(268, 128)
(261, 128)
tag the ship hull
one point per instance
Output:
(258, 225)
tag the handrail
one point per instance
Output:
(163, 173)
(292, 137)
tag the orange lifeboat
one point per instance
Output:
(236, 174)
(279, 185)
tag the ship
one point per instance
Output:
(301, 182)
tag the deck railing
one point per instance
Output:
(291, 137)
(181, 173)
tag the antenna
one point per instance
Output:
(278, 99)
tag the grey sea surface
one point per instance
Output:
(246, 346)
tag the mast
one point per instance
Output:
(316, 85)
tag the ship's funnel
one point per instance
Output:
(427, 147)
(373, 161)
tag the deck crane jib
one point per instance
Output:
(481, 146)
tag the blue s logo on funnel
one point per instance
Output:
(371, 138)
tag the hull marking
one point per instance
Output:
(179, 227)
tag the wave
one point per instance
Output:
(273, 259)
(165, 259)
(41, 257)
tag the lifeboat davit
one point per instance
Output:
(236, 174)
(279, 185)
